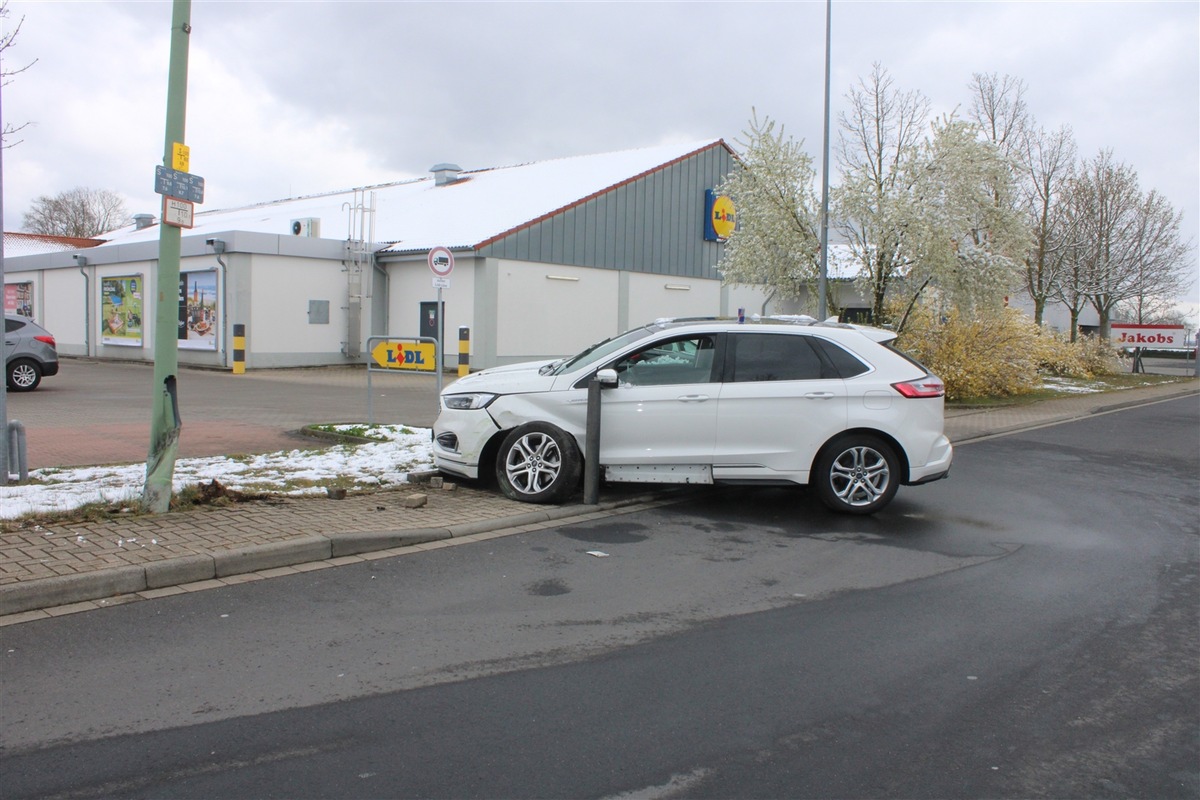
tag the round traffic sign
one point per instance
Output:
(441, 261)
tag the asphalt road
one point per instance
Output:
(1024, 629)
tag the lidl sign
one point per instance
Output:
(720, 218)
(419, 356)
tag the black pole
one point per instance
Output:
(591, 446)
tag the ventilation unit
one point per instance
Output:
(309, 226)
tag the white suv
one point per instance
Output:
(772, 401)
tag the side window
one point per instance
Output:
(671, 361)
(845, 364)
(773, 357)
(11, 325)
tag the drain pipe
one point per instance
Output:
(218, 246)
(87, 304)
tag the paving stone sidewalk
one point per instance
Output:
(75, 565)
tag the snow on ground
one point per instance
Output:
(294, 472)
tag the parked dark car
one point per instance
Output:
(30, 353)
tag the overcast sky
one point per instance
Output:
(293, 98)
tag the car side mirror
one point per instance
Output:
(606, 377)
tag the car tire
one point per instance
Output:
(857, 474)
(23, 375)
(538, 463)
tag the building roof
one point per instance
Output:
(479, 207)
(28, 244)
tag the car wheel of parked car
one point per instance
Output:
(857, 475)
(538, 463)
(23, 375)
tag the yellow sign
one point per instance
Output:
(181, 156)
(421, 356)
(724, 220)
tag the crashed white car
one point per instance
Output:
(769, 401)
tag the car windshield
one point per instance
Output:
(597, 352)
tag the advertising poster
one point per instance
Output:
(198, 310)
(18, 299)
(121, 310)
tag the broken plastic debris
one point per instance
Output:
(597, 553)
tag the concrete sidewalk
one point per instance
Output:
(68, 567)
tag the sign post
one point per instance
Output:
(441, 264)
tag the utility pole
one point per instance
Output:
(165, 422)
(823, 273)
(4, 457)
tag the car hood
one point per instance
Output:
(507, 379)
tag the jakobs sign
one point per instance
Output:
(720, 218)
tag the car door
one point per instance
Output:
(778, 404)
(664, 408)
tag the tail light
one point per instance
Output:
(928, 386)
(47, 339)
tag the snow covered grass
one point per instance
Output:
(399, 451)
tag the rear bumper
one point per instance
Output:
(49, 368)
(936, 468)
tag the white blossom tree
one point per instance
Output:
(878, 145)
(777, 240)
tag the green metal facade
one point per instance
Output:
(652, 223)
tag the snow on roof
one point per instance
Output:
(418, 215)
(29, 244)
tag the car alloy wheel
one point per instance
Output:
(538, 463)
(23, 375)
(858, 475)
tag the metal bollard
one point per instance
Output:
(239, 348)
(464, 351)
(17, 455)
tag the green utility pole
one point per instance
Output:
(165, 424)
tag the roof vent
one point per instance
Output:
(143, 221)
(445, 173)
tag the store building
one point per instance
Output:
(547, 257)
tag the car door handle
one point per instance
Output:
(819, 395)
(692, 398)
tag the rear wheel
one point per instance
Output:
(538, 463)
(857, 475)
(23, 375)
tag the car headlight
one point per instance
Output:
(466, 402)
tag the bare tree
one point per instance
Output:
(998, 108)
(1129, 250)
(1048, 164)
(8, 40)
(81, 212)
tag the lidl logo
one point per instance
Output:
(405, 355)
(720, 216)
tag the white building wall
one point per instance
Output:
(410, 283)
(549, 310)
(652, 297)
(280, 291)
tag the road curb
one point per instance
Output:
(61, 590)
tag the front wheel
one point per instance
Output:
(23, 375)
(538, 463)
(857, 475)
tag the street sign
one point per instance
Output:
(174, 183)
(441, 261)
(177, 212)
(412, 356)
(441, 283)
(181, 156)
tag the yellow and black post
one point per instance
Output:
(239, 348)
(464, 351)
